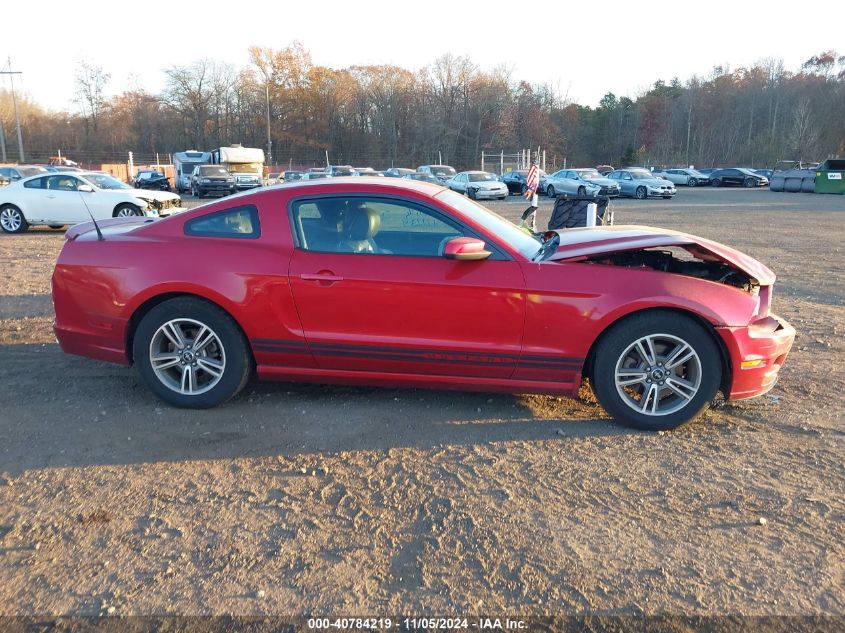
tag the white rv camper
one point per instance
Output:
(246, 164)
(183, 165)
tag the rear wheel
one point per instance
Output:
(56, 226)
(12, 220)
(641, 193)
(191, 353)
(656, 371)
(127, 211)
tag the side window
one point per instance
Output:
(375, 226)
(625, 176)
(35, 183)
(240, 222)
(62, 183)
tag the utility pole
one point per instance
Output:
(269, 142)
(2, 142)
(11, 72)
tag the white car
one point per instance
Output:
(478, 185)
(57, 199)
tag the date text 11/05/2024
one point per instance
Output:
(414, 623)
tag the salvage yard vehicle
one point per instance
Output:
(738, 177)
(211, 179)
(152, 179)
(441, 172)
(640, 183)
(478, 185)
(684, 176)
(580, 182)
(70, 198)
(18, 172)
(517, 180)
(407, 284)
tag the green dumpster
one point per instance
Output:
(830, 176)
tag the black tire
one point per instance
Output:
(692, 182)
(523, 189)
(56, 226)
(641, 193)
(716, 182)
(471, 193)
(238, 362)
(582, 192)
(612, 348)
(550, 191)
(12, 219)
(126, 210)
(748, 183)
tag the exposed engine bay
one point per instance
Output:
(680, 261)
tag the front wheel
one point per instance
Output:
(656, 371)
(581, 192)
(692, 182)
(191, 353)
(471, 193)
(127, 211)
(641, 193)
(12, 220)
(550, 192)
(749, 182)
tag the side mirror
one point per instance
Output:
(465, 249)
(85, 188)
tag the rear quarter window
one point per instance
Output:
(239, 222)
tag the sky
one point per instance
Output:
(582, 50)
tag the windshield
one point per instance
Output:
(481, 177)
(441, 170)
(342, 171)
(641, 174)
(244, 168)
(104, 181)
(589, 174)
(188, 168)
(213, 171)
(492, 222)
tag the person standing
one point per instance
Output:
(532, 182)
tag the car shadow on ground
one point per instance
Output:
(60, 410)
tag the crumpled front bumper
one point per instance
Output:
(757, 353)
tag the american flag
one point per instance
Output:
(533, 179)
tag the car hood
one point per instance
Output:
(486, 184)
(654, 182)
(602, 182)
(587, 242)
(152, 194)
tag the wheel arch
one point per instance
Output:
(124, 203)
(151, 302)
(724, 354)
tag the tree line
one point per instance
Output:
(390, 116)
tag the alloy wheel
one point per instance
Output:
(658, 374)
(187, 356)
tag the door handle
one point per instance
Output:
(323, 276)
(51, 197)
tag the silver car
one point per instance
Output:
(580, 182)
(478, 185)
(684, 176)
(641, 183)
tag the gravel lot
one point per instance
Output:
(313, 499)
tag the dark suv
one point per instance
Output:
(213, 179)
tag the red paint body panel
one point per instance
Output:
(498, 324)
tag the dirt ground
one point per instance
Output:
(312, 499)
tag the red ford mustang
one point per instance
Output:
(405, 283)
